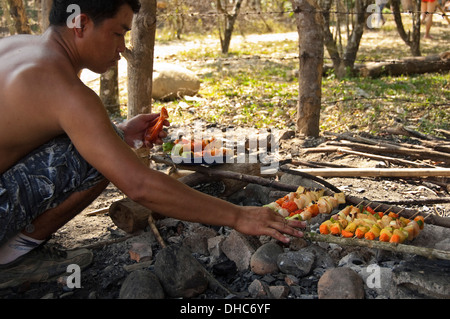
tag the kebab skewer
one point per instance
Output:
(304, 204)
(365, 223)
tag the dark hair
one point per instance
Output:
(97, 10)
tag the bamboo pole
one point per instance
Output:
(399, 248)
(375, 172)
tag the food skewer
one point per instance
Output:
(360, 221)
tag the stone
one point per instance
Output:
(443, 245)
(291, 280)
(297, 243)
(431, 235)
(377, 278)
(298, 263)
(180, 274)
(215, 246)
(279, 292)
(141, 284)
(423, 278)
(264, 260)
(322, 258)
(340, 283)
(259, 289)
(141, 251)
(239, 248)
(173, 81)
(197, 239)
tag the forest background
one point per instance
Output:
(254, 81)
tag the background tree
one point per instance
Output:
(351, 16)
(6, 16)
(109, 90)
(311, 51)
(46, 6)
(19, 16)
(140, 59)
(412, 39)
(226, 26)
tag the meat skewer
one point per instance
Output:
(304, 204)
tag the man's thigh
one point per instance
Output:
(42, 181)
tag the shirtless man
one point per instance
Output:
(59, 149)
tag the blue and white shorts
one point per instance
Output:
(42, 180)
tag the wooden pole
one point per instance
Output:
(399, 248)
(375, 172)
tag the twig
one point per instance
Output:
(100, 211)
(423, 201)
(103, 243)
(285, 169)
(407, 213)
(155, 231)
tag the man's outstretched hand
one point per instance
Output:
(263, 221)
(135, 128)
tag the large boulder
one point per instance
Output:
(173, 81)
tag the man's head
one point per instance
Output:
(97, 10)
(95, 28)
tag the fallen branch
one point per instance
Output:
(224, 174)
(402, 130)
(103, 243)
(398, 248)
(384, 158)
(374, 172)
(155, 231)
(424, 201)
(418, 153)
(410, 65)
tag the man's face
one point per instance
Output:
(103, 43)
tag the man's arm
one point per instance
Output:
(87, 124)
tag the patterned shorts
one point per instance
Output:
(42, 180)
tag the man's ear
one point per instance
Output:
(79, 24)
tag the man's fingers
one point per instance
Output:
(282, 227)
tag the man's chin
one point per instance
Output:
(100, 70)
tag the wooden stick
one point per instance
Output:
(103, 243)
(375, 172)
(399, 248)
(155, 231)
(407, 213)
(421, 201)
(384, 158)
(444, 14)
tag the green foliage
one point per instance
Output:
(255, 85)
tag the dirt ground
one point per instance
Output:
(94, 229)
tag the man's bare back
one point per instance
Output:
(32, 71)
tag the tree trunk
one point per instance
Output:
(330, 42)
(413, 41)
(140, 59)
(356, 34)
(17, 11)
(46, 6)
(8, 19)
(109, 90)
(407, 66)
(311, 51)
(230, 19)
(344, 59)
